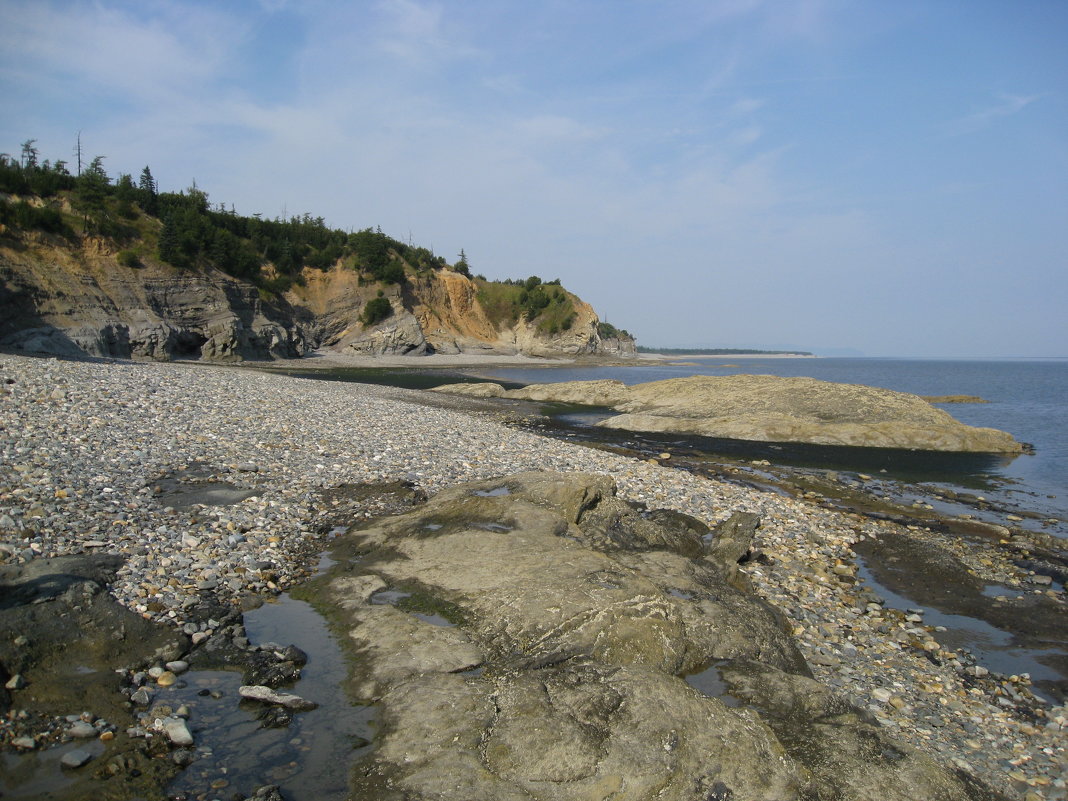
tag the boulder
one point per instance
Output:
(399, 335)
(484, 389)
(575, 620)
(266, 695)
(732, 538)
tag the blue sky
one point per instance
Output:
(885, 177)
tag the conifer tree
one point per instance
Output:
(169, 250)
(149, 193)
(462, 266)
(91, 191)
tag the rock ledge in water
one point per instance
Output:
(768, 408)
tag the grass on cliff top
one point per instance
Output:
(549, 306)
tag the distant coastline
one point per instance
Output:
(644, 350)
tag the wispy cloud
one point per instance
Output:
(417, 34)
(100, 47)
(1006, 106)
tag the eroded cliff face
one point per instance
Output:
(67, 299)
(79, 301)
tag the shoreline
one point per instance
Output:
(329, 359)
(325, 358)
(86, 444)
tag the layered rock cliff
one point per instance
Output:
(72, 297)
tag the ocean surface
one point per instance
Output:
(1027, 397)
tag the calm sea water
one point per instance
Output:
(1027, 397)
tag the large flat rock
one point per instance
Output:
(577, 618)
(768, 408)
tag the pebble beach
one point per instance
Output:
(89, 452)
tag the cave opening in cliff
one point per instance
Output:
(188, 345)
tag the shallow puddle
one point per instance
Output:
(991, 646)
(390, 597)
(39, 774)
(433, 619)
(397, 598)
(312, 757)
(500, 527)
(493, 493)
(1000, 590)
(710, 682)
(326, 561)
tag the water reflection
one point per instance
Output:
(311, 758)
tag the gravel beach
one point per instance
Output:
(103, 456)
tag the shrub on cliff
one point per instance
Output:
(128, 258)
(548, 305)
(23, 215)
(376, 310)
(609, 331)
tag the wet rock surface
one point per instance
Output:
(581, 614)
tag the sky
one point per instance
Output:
(844, 177)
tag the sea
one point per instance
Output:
(1026, 397)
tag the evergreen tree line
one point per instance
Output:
(192, 233)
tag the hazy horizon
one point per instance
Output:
(887, 177)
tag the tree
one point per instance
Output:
(29, 155)
(462, 266)
(169, 248)
(126, 194)
(148, 192)
(91, 190)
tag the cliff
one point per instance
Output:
(69, 295)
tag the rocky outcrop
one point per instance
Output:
(771, 409)
(619, 346)
(399, 335)
(534, 637)
(76, 303)
(70, 300)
